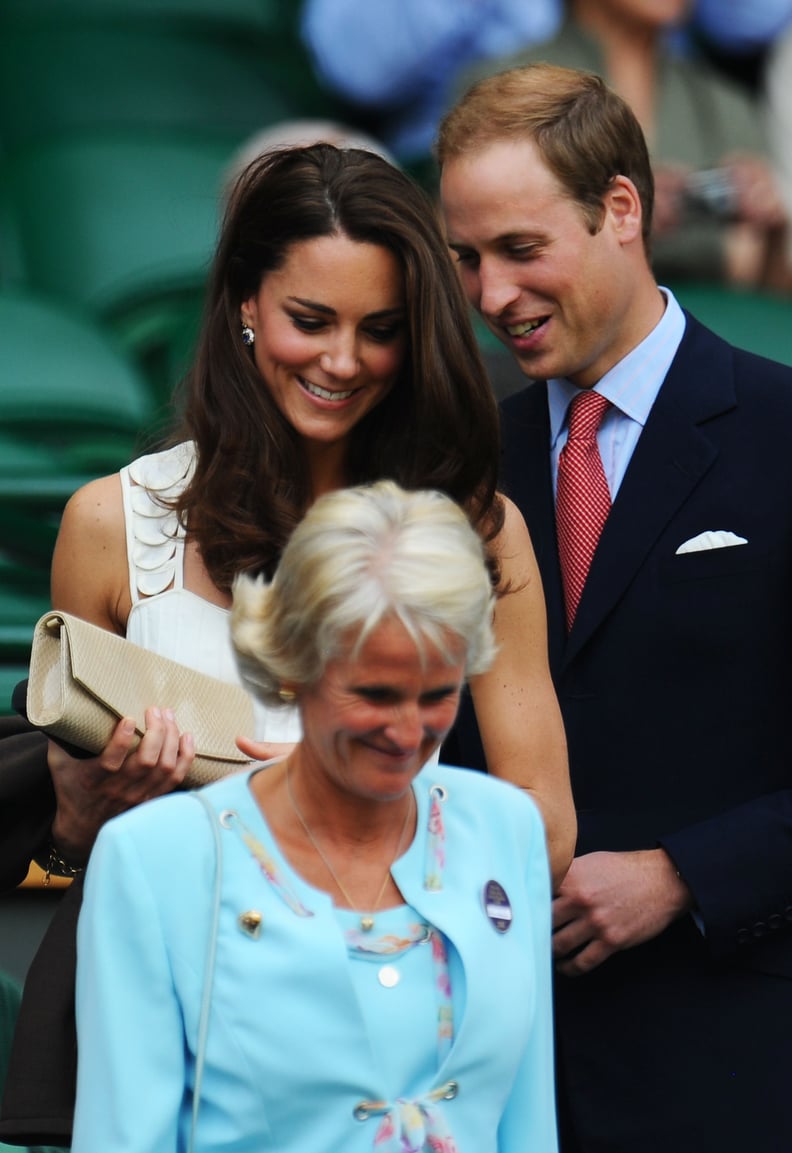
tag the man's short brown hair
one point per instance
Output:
(585, 132)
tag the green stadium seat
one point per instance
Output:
(757, 321)
(71, 408)
(10, 676)
(195, 66)
(122, 225)
(19, 612)
(107, 219)
(66, 389)
(117, 119)
(24, 597)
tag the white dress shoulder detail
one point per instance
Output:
(167, 618)
(155, 539)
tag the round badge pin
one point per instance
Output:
(497, 906)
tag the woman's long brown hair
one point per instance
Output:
(436, 428)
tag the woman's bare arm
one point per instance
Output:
(516, 706)
(90, 579)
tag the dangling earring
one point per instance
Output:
(287, 695)
(248, 335)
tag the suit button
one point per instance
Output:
(775, 921)
(759, 929)
(743, 936)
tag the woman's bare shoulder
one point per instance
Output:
(90, 575)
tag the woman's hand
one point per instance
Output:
(89, 792)
(263, 750)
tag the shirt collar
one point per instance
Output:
(631, 385)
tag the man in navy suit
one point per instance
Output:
(673, 928)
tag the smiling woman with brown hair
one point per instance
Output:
(336, 349)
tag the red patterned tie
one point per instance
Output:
(583, 499)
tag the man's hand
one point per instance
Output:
(613, 901)
(91, 791)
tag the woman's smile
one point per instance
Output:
(373, 721)
(330, 334)
(329, 394)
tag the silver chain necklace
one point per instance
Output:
(367, 920)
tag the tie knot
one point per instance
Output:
(585, 414)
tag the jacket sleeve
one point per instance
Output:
(27, 799)
(132, 1067)
(529, 1119)
(738, 866)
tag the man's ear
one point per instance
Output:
(624, 209)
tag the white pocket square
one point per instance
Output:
(710, 539)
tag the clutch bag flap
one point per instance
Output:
(83, 679)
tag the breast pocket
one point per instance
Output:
(714, 563)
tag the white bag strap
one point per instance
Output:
(211, 954)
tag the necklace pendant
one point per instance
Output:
(366, 923)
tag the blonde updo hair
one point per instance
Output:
(359, 557)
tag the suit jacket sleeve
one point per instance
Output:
(27, 799)
(738, 865)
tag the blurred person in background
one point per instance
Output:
(778, 108)
(398, 65)
(295, 133)
(739, 35)
(397, 62)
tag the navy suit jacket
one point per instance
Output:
(675, 684)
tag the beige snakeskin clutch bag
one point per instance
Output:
(83, 679)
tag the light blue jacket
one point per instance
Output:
(288, 1057)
